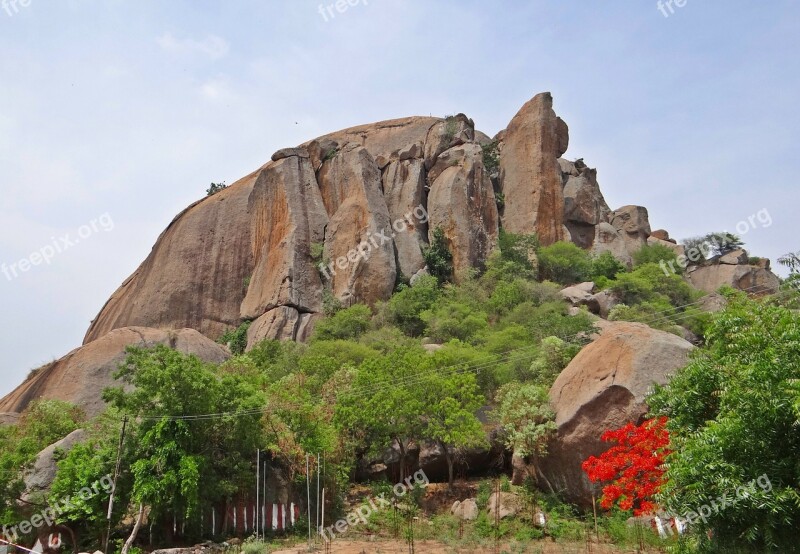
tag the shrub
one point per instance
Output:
(607, 266)
(215, 188)
(453, 320)
(564, 263)
(491, 156)
(656, 254)
(404, 309)
(733, 422)
(349, 323)
(438, 257)
(236, 339)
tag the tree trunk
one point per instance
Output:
(448, 454)
(136, 526)
(402, 448)
(535, 461)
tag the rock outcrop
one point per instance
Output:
(39, 478)
(462, 203)
(605, 387)
(81, 376)
(349, 215)
(530, 176)
(584, 205)
(750, 278)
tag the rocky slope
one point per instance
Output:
(348, 215)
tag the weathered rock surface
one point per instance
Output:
(195, 275)
(462, 203)
(287, 216)
(737, 257)
(404, 190)
(633, 225)
(605, 387)
(578, 295)
(453, 131)
(530, 175)
(753, 279)
(466, 510)
(608, 239)
(81, 376)
(39, 478)
(584, 205)
(503, 504)
(358, 239)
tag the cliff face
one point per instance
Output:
(350, 213)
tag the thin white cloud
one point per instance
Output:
(212, 46)
(217, 89)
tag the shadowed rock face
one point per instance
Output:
(81, 376)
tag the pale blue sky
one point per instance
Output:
(131, 108)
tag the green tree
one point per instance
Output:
(607, 266)
(450, 404)
(722, 243)
(215, 188)
(454, 320)
(182, 461)
(438, 257)
(383, 406)
(88, 463)
(564, 263)
(732, 422)
(528, 422)
(43, 423)
(554, 355)
(518, 249)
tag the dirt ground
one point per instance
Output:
(430, 547)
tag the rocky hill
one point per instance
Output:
(347, 215)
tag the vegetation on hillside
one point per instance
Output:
(420, 367)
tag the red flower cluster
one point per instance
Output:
(635, 465)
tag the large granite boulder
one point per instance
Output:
(196, 274)
(81, 376)
(584, 205)
(39, 478)
(605, 387)
(530, 175)
(358, 239)
(287, 216)
(749, 278)
(462, 203)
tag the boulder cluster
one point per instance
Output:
(348, 216)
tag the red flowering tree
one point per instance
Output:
(634, 465)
